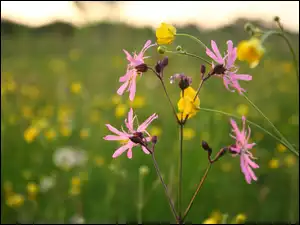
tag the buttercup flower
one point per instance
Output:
(250, 51)
(131, 138)
(186, 104)
(129, 79)
(226, 68)
(165, 34)
(242, 148)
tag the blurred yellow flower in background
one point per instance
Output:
(75, 186)
(138, 102)
(239, 219)
(273, 163)
(50, 134)
(281, 148)
(99, 161)
(27, 112)
(116, 99)
(31, 133)
(242, 109)
(120, 110)
(290, 160)
(188, 134)
(250, 51)
(76, 87)
(84, 133)
(15, 200)
(32, 190)
(65, 130)
(155, 131)
(165, 34)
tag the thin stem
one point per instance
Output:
(269, 121)
(190, 54)
(254, 124)
(194, 38)
(180, 174)
(197, 191)
(165, 186)
(166, 92)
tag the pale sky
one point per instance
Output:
(207, 14)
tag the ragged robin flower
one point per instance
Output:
(132, 137)
(187, 107)
(129, 79)
(242, 148)
(165, 34)
(225, 67)
(250, 51)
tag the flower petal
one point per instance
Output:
(114, 138)
(121, 90)
(122, 149)
(217, 52)
(129, 153)
(132, 88)
(114, 130)
(145, 150)
(146, 123)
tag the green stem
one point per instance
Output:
(189, 54)
(196, 192)
(269, 121)
(180, 173)
(254, 124)
(194, 38)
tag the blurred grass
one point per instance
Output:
(37, 73)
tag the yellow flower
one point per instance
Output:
(121, 110)
(32, 190)
(65, 130)
(281, 148)
(76, 87)
(155, 131)
(251, 51)
(138, 102)
(75, 188)
(15, 200)
(116, 99)
(99, 161)
(27, 174)
(274, 163)
(50, 134)
(242, 110)
(74, 191)
(290, 160)
(186, 104)
(84, 133)
(75, 181)
(210, 221)
(188, 133)
(27, 112)
(239, 219)
(31, 133)
(165, 34)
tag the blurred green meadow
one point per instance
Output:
(58, 90)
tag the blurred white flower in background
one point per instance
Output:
(77, 219)
(69, 157)
(47, 182)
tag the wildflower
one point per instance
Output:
(32, 190)
(129, 79)
(281, 148)
(76, 87)
(242, 109)
(67, 158)
(15, 200)
(186, 104)
(155, 131)
(242, 148)
(210, 221)
(46, 183)
(120, 110)
(274, 163)
(75, 186)
(250, 51)
(225, 67)
(133, 137)
(165, 34)
(31, 133)
(290, 160)
(84, 133)
(240, 219)
(188, 134)
(50, 134)
(184, 81)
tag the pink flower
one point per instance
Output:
(242, 148)
(128, 136)
(228, 72)
(129, 79)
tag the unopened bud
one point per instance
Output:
(184, 83)
(178, 48)
(276, 19)
(154, 139)
(165, 61)
(158, 68)
(161, 50)
(142, 68)
(202, 69)
(206, 147)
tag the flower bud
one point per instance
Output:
(205, 146)
(142, 68)
(276, 19)
(202, 69)
(248, 27)
(161, 50)
(165, 62)
(178, 48)
(154, 139)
